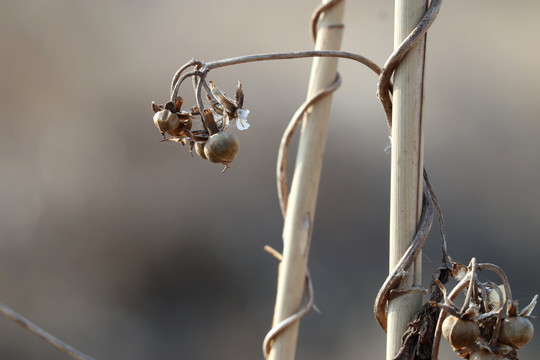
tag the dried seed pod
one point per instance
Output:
(166, 121)
(485, 355)
(516, 331)
(460, 333)
(199, 149)
(221, 148)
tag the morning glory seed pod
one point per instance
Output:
(166, 121)
(460, 333)
(516, 331)
(221, 148)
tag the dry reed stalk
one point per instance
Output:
(303, 195)
(407, 167)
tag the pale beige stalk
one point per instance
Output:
(303, 195)
(407, 167)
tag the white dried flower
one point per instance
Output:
(241, 119)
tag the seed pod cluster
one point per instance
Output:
(211, 142)
(468, 335)
(482, 330)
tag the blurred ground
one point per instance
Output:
(127, 248)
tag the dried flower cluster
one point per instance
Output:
(210, 139)
(484, 328)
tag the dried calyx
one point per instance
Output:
(232, 109)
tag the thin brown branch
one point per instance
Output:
(178, 81)
(442, 315)
(502, 275)
(472, 284)
(203, 68)
(42, 334)
(496, 330)
(190, 63)
(294, 55)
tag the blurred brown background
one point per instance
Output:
(127, 248)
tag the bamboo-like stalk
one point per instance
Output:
(304, 188)
(407, 167)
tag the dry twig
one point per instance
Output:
(42, 334)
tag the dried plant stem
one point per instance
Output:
(302, 199)
(36, 330)
(293, 55)
(203, 68)
(502, 275)
(407, 168)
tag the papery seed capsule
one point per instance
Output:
(221, 148)
(460, 333)
(516, 331)
(199, 149)
(485, 355)
(166, 120)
